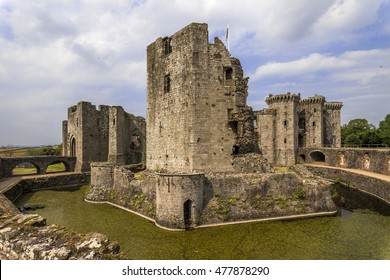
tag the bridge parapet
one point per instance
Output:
(374, 160)
(41, 163)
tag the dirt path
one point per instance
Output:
(357, 171)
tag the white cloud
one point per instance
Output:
(55, 53)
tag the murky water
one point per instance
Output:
(358, 235)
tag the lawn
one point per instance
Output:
(57, 167)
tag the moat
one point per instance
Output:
(359, 235)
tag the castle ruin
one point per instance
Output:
(104, 134)
(205, 147)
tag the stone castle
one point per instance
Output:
(107, 134)
(202, 145)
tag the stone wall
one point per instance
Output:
(1, 168)
(179, 201)
(27, 237)
(374, 160)
(104, 134)
(286, 127)
(236, 197)
(41, 163)
(200, 82)
(380, 188)
(47, 182)
(120, 186)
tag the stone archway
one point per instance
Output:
(188, 213)
(73, 147)
(317, 156)
(25, 168)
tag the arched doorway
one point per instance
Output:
(317, 156)
(188, 213)
(73, 147)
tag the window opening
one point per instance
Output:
(167, 41)
(228, 73)
(167, 83)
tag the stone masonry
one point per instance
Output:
(107, 134)
(291, 122)
(207, 150)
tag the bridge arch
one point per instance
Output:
(317, 156)
(25, 165)
(67, 167)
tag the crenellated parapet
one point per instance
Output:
(333, 105)
(265, 112)
(316, 99)
(288, 97)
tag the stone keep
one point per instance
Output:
(106, 134)
(197, 116)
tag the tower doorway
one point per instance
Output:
(73, 147)
(188, 221)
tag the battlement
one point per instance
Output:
(288, 97)
(333, 105)
(265, 112)
(316, 99)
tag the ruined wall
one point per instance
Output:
(27, 237)
(178, 201)
(106, 134)
(286, 127)
(237, 197)
(201, 83)
(119, 185)
(87, 134)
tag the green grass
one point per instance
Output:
(57, 167)
(282, 169)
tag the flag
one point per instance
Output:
(227, 32)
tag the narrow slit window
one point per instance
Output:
(167, 83)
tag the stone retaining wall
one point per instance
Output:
(373, 160)
(371, 185)
(223, 197)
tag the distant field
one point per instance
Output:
(34, 151)
(15, 152)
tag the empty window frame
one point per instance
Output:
(167, 83)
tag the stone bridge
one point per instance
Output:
(7, 164)
(372, 160)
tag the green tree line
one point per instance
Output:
(359, 132)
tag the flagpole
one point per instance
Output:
(228, 38)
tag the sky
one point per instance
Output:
(56, 53)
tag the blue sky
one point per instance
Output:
(55, 53)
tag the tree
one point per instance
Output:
(384, 130)
(358, 132)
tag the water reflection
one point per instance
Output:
(353, 235)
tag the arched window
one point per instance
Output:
(73, 147)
